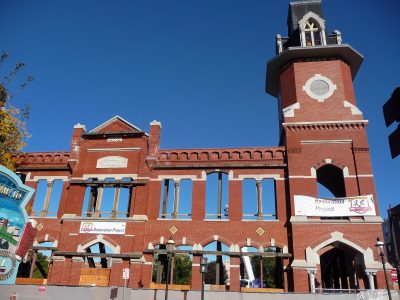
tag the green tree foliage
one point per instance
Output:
(43, 270)
(182, 269)
(13, 133)
(210, 277)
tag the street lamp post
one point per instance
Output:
(170, 248)
(379, 245)
(203, 271)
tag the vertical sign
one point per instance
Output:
(125, 273)
(16, 231)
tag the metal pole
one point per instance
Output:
(167, 277)
(202, 286)
(386, 279)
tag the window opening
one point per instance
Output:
(36, 263)
(254, 267)
(176, 199)
(217, 196)
(330, 184)
(217, 265)
(259, 199)
(99, 260)
(55, 197)
(108, 198)
(47, 198)
(180, 268)
(331, 177)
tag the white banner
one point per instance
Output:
(334, 207)
(102, 227)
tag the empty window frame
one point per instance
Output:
(108, 198)
(330, 181)
(176, 199)
(47, 198)
(330, 184)
(36, 263)
(99, 259)
(217, 271)
(217, 196)
(180, 267)
(254, 267)
(259, 199)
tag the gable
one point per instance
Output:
(116, 125)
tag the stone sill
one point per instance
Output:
(134, 218)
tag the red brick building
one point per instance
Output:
(314, 242)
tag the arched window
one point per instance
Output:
(312, 30)
(312, 33)
(331, 178)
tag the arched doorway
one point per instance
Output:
(342, 267)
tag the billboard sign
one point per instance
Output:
(334, 207)
(17, 232)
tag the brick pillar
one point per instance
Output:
(56, 270)
(147, 268)
(285, 263)
(301, 281)
(280, 199)
(75, 200)
(76, 266)
(66, 271)
(141, 200)
(196, 275)
(199, 200)
(117, 265)
(135, 276)
(63, 199)
(235, 200)
(234, 274)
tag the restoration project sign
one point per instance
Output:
(102, 227)
(334, 207)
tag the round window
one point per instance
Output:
(319, 87)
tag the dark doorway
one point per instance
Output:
(339, 268)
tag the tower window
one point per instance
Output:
(312, 33)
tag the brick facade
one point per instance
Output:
(313, 134)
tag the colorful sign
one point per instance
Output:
(334, 207)
(394, 275)
(102, 227)
(16, 230)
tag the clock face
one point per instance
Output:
(319, 87)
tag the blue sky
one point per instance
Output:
(196, 66)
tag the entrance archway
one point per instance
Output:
(341, 267)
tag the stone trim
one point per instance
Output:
(326, 125)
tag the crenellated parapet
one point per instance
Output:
(33, 160)
(248, 156)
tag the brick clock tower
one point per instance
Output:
(327, 156)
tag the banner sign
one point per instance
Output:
(334, 207)
(102, 227)
(17, 232)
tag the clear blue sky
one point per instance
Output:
(196, 66)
